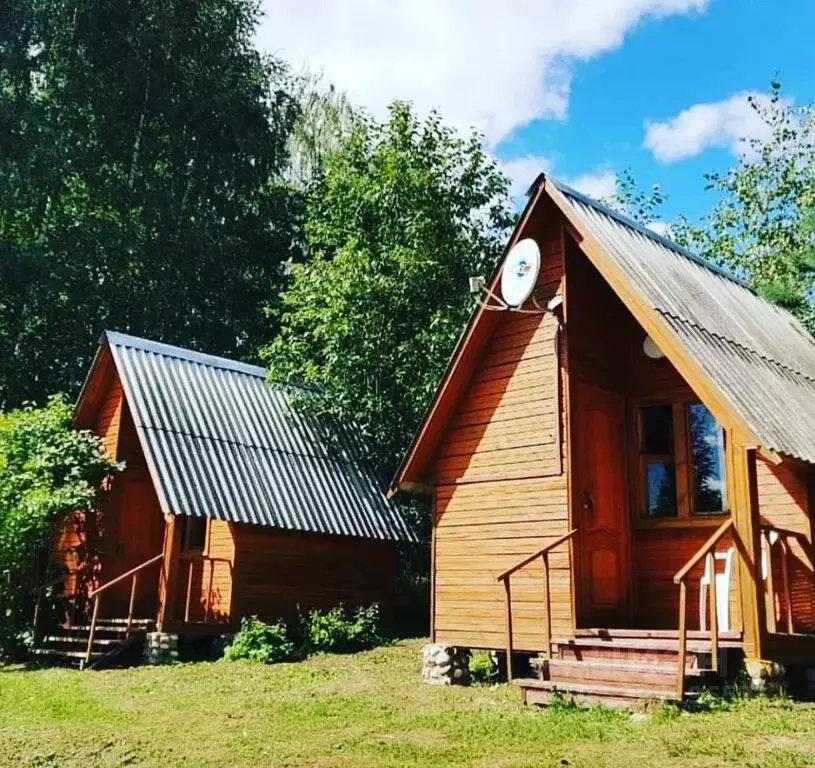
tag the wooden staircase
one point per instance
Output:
(623, 668)
(68, 645)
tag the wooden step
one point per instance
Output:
(58, 653)
(51, 640)
(730, 636)
(542, 692)
(611, 673)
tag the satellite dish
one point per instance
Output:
(520, 272)
(649, 346)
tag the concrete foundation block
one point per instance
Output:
(160, 648)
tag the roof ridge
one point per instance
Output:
(180, 353)
(734, 343)
(627, 221)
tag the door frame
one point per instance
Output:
(626, 580)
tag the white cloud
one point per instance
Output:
(660, 227)
(598, 184)
(493, 66)
(522, 171)
(725, 123)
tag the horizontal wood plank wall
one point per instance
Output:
(277, 571)
(211, 592)
(76, 534)
(783, 502)
(500, 485)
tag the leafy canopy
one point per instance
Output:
(763, 224)
(404, 212)
(142, 154)
(47, 470)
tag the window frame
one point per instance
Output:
(185, 535)
(682, 459)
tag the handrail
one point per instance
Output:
(527, 560)
(97, 595)
(505, 576)
(702, 551)
(784, 534)
(193, 558)
(123, 576)
(705, 551)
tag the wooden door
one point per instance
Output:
(139, 536)
(601, 508)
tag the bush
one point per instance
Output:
(258, 641)
(47, 470)
(483, 668)
(343, 629)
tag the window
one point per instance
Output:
(193, 533)
(681, 460)
(707, 461)
(657, 451)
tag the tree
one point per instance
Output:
(641, 206)
(142, 153)
(47, 470)
(762, 226)
(404, 213)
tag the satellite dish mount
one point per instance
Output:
(518, 279)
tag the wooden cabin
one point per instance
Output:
(621, 469)
(232, 502)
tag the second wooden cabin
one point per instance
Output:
(232, 503)
(622, 473)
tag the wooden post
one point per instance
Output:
(713, 595)
(769, 588)
(92, 632)
(742, 468)
(547, 624)
(208, 611)
(508, 592)
(680, 662)
(189, 592)
(169, 571)
(133, 588)
(785, 575)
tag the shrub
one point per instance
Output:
(343, 629)
(483, 668)
(47, 470)
(258, 641)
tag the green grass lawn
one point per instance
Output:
(364, 710)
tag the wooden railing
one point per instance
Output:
(783, 536)
(505, 577)
(681, 578)
(96, 594)
(202, 559)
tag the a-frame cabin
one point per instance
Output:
(593, 465)
(233, 503)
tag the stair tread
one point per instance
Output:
(66, 654)
(658, 667)
(646, 644)
(595, 689)
(654, 634)
(79, 639)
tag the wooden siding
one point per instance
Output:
(500, 488)
(783, 502)
(109, 418)
(276, 572)
(207, 577)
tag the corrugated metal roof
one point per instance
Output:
(221, 442)
(759, 355)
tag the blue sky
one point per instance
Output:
(582, 89)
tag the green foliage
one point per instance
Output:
(763, 225)
(482, 668)
(403, 214)
(142, 156)
(47, 470)
(258, 641)
(343, 629)
(643, 206)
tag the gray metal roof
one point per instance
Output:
(759, 355)
(221, 442)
